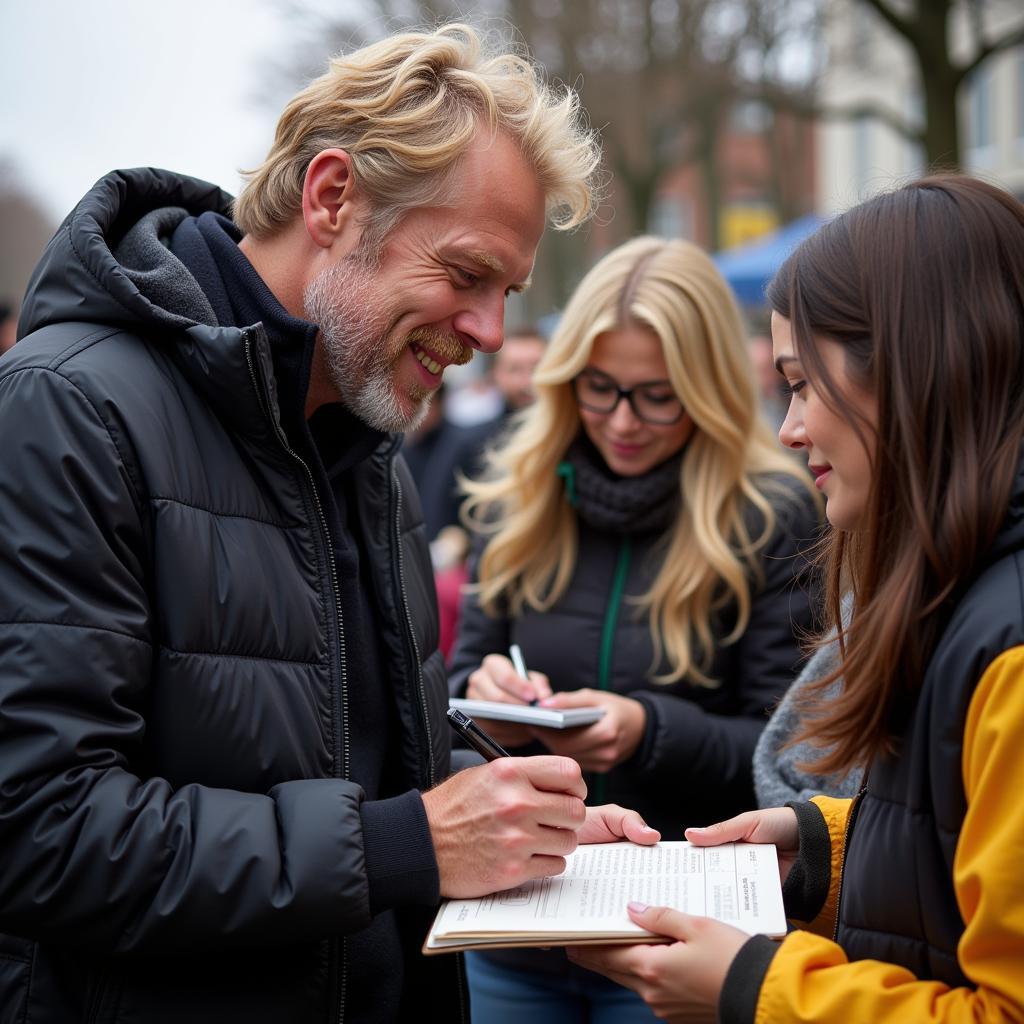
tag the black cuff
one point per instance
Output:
(742, 986)
(806, 888)
(642, 755)
(400, 865)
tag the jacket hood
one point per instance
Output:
(107, 262)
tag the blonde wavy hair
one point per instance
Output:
(731, 461)
(405, 109)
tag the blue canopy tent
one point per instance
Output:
(749, 268)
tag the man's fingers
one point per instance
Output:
(661, 920)
(543, 866)
(562, 812)
(552, 774)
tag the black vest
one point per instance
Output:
(898, 903)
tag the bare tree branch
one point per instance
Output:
(875, 112)
(993, 46)
(897, 22)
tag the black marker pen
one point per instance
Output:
(475, 736)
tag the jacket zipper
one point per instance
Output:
(611, 620)
(341, 732)
(420, 687)
(854, 808)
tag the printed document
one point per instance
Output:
(737, 883)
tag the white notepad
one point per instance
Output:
(737, 883)
(553, 718)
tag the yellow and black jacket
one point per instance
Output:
(917, 881)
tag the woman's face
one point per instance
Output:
(836, 456)
(627, 358)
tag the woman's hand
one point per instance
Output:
(681, 981)
(609, 823)
(773, 825)
(496, 679)
(605, 744)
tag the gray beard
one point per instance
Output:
(358, 353)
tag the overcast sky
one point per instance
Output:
(90, 85)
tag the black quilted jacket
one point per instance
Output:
(178, 837)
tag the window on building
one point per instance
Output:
(980, 111)
(751, 117)
(1020, 95)
(913, 111)
(861, 164)
(671, 216)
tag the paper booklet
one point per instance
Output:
(554, 718)
(737, 883)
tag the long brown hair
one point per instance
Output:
(924, 289)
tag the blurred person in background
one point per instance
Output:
(770, 383)
(440, 453)
(437, 451)
(223, 752)
(506, 387)
(640, 537)
(8, 327)
(513, 367)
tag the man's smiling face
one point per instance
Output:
(391, 322)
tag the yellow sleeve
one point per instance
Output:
(836, 813)
(810, 978)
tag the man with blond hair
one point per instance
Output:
(224, 761)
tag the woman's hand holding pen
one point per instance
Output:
(496, 679)
(605, 744)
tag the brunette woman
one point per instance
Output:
(900, 330)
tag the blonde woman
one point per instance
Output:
(640, 537)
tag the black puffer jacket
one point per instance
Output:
(179, 838)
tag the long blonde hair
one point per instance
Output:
(406, 109)
(731, 461)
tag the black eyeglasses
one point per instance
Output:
(653, 402)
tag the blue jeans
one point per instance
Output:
(505, 995)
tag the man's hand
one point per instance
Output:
(604, 745)
(499, 824)
(679, 982)
(773, 825)
(497, 680)
(609, 823)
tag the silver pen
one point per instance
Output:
(519, 664)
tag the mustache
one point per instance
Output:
(446, 347)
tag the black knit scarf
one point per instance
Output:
(620, 504)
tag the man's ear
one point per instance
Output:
(328, 200)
